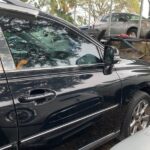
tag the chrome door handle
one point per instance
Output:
(50, 95)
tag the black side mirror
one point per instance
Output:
(111, 56)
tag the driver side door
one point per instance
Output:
(58, 85)
(118, 25)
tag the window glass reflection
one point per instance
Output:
(41, 44)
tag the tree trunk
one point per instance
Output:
(149, 9)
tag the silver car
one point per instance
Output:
(123, 23)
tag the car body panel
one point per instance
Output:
(8, 127)
(134, 74)
(79, 94)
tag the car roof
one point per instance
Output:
(121, 13)
(21, 7)
(18, 6)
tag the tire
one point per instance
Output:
(136, 120)
(132, 33)
(148, 35)
(101, 35)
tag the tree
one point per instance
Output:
(101, 7)
(64, 8)
(60, 8)
(132, 6)
(149, 9)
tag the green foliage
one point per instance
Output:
(132, 6)
(63, 8)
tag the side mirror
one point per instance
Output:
(111, 56)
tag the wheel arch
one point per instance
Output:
(148, 35)
(128, 93)
(133, 27)
(128, 90)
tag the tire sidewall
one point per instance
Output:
(132, 31)
(135, 99)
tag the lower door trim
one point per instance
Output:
(6, 147)
(101, 141)
(70, 123)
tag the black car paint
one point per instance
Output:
(80, 92)
(86, 104)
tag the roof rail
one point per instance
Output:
(18, 3)
(18, 8)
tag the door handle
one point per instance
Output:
(48, 95)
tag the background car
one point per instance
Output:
(139, 141)
(123, 23)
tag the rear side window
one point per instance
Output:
(41, 44)
(133, 17)
(115, 18)
(105, 18)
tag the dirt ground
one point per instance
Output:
(142, 52)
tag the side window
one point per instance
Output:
(133, 17)
(115, 18)
(105, 18)
(41, 44)
(118, 18)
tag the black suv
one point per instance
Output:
(60, 89)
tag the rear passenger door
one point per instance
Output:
(57, 81)
(118, 24)
(8, 122)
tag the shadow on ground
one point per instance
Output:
(108, 145)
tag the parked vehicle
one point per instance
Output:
(58, 90)
(123, 23)
(85, 27)
(140, 141)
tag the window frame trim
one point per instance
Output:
(6, 47)
(57, 68)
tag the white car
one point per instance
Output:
(139, 141)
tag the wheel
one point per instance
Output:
(132, 33)
(101, 35)
(138, 114)
(148, 35)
